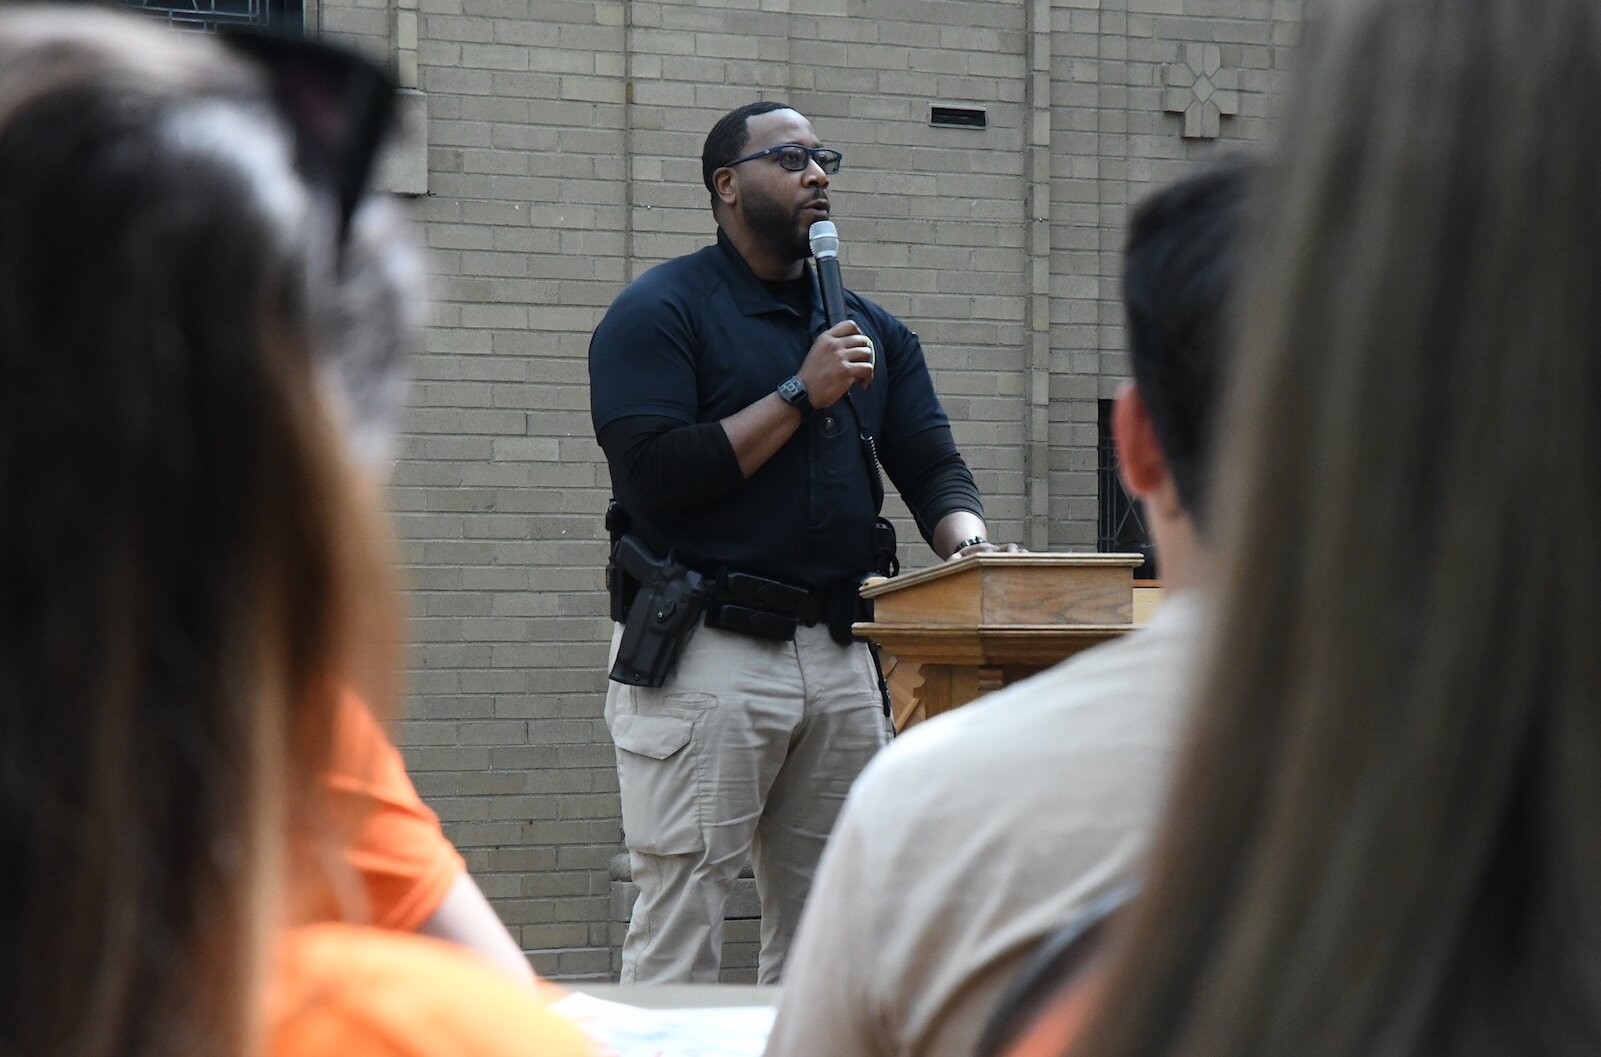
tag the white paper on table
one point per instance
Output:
(633, 1031)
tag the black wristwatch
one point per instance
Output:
(793, 392)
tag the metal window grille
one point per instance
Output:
(1122, 522)
(209, 15)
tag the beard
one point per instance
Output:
(778, 226)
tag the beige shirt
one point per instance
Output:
(974, 836)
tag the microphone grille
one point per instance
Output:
(825, 239)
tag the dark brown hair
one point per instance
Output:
(1181, 267)
(188, 571)
(1383, 838)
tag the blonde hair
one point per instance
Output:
(189, 568)
(1382, 838)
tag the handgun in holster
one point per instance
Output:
(663, 614)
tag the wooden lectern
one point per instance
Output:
(967, 627)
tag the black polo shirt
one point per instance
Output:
(699, 338)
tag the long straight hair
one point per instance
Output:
(188, 572)
(1384, 836)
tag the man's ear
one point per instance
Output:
(723, 183)
(1141, 462)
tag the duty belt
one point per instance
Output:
(753, 605)
(659, 602)
(770, 609)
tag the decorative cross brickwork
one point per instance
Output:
(1198, 87)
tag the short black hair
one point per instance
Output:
(1181, 267)
(726, 141)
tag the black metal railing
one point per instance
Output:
(209, 15)
(1121, 526)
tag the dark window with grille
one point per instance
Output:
(208, 15)
(1122, 522)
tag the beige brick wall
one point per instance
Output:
(1114, 143)
(564, 159)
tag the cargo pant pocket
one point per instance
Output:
(658, 777)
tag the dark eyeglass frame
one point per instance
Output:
(338, 104)
(812, 154)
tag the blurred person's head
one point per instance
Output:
(1181, 267)
(195, 355)
(1383, 839)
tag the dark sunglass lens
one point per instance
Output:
(792, 158)
(339, 104)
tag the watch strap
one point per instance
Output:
(794, 393)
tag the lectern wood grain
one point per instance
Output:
(962, 629)
(992, 589)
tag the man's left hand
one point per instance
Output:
(986, 547)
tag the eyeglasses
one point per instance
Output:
(795, 158)
(338, 104)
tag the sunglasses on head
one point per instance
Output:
(795, 158)
(338, 104)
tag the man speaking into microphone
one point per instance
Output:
(744, 416)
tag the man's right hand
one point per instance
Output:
(840, 356)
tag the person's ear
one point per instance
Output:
(1141, 462)
(723, 184)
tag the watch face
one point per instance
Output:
(792, 390)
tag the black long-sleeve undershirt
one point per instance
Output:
(932, 477)
(661, 464)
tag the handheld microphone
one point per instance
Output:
(825, 249)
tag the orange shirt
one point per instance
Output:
(1060, 1024)
(383, 836)
(348, 991)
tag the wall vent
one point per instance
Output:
(957, 116)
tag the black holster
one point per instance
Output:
(666, 605)
(846, 606)
(620, 586)
(885, 561)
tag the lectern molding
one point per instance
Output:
(966, 627)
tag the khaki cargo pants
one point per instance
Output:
(751, 747)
